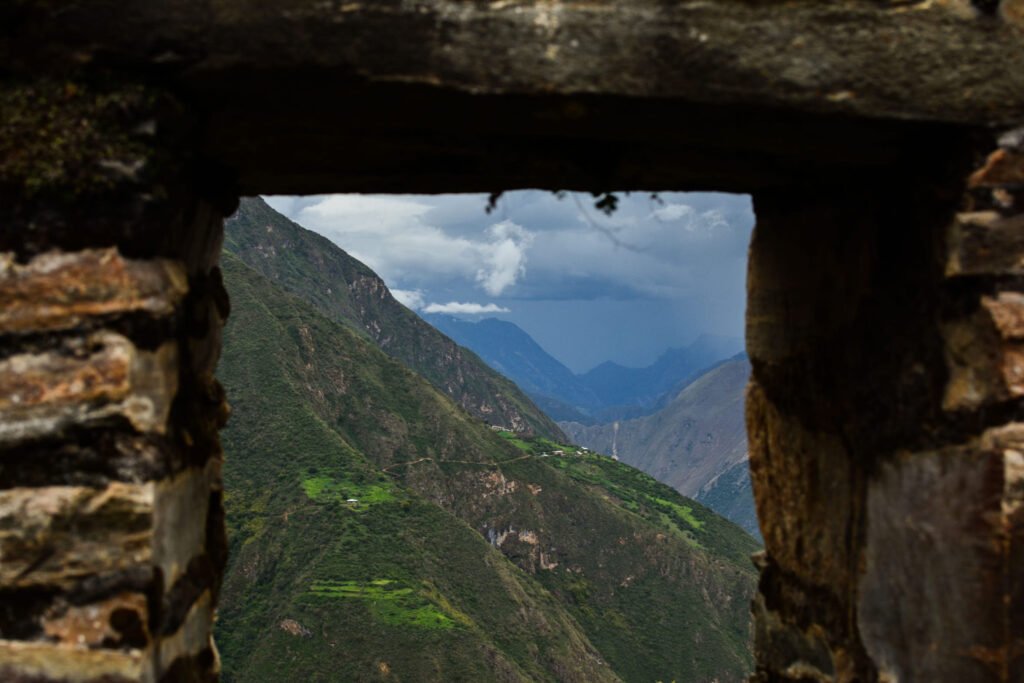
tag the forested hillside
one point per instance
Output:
(380, 532)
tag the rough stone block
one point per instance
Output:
(985, 353)
(57, 291)
(1003, 167)
(1009, 441)
(61, 663)
(58, 535)
(85, 381)
(117, 621)
(179, 518)
(986, 243)
(929, 610)
(194, 637)
(794, 653)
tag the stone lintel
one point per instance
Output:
(444, 95)
(822, 56)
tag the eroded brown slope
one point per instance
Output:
(691, 444)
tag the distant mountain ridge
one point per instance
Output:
(314, 268)
(697, 443)
(648, 388)
(607, 392)
(507, 348)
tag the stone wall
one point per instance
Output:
(111, 521)
(884, 330)
(885, 316)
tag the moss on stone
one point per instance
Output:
(70, 137)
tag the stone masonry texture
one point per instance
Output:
(881, 140)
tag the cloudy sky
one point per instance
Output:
(588, 287)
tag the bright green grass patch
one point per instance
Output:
(394, 604)
(323, 489)
(633, 491)
(516, 441)
(549, 446)
(378, 589)
(315, 487)
(683, 512)
(537, 444)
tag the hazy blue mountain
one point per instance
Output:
(511, 351)
(632, 392)
(608, 392)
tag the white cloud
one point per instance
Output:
(672, 212)
(506, 259)
(397, 239)
(410, 298)
(466, 308)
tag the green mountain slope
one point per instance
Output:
(343, 289)
(469, 555)
(388, 588)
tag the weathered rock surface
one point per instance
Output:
(887, 484)
(21, 661)
(86, 381)
(816, 56)
(62, 290)
(447, 94)
(918, 502)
